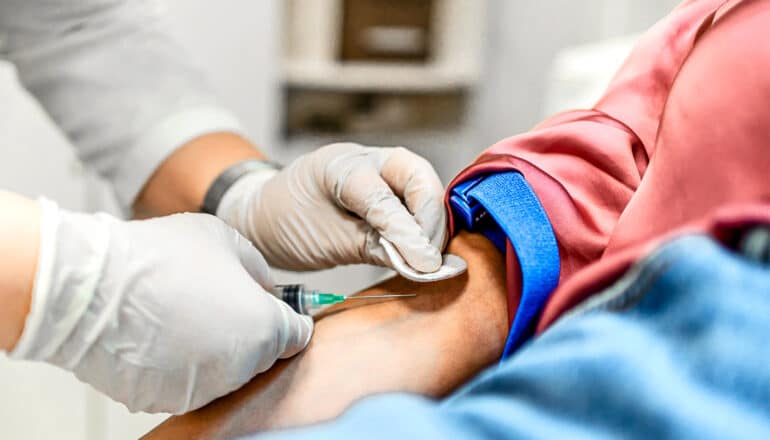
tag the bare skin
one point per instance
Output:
(181, 181)
(429, 344)
(19, 242)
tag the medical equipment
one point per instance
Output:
(451, 266)
(307, 302)
(504, 208)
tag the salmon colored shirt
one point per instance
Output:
(679, 143)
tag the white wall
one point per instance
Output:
(237, 43)
(524, 36)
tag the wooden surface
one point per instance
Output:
(429, 344)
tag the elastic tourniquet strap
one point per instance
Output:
(504, 208)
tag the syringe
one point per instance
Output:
(308, 302)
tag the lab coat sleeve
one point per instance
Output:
(586, 165)
(110, 76)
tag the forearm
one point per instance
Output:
(182, 180)
(429, 345)
(19, 243)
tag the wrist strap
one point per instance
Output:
(228, 177)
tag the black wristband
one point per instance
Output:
(228, 177)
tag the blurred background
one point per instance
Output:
(445, 78)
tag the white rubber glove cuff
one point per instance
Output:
(232, 208)
(60, 298)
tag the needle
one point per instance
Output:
(307, 302)
(406, 295)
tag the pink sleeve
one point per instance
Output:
(586, 165)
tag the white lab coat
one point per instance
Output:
(109, 75)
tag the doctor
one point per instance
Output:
(170, 313)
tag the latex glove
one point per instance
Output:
(163, 315)
(331, 206)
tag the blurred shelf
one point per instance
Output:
(393, 53)
(378, 77)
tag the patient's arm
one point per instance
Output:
(428, 344)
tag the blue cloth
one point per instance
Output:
(503, 207)
(679, 348)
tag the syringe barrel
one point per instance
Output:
(302, 300)
(293, 295)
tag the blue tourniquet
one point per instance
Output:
(503, 207)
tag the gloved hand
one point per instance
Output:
(163, 315)
(331, 206)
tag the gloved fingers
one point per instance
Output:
(413, 179)
(254, 262)
(293, 330)
(366, 194)
(374, 253)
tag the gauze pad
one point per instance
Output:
(451, 266)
